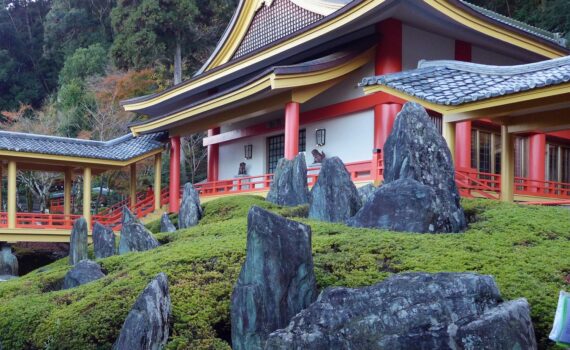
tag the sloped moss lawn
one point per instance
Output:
(527, 249)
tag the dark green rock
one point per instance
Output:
(83, 272)
(78, 241)
(165, 224)
(334, 198)
(190, 211)
(8, 262)
(103, 241)
(276, 281)
(289, 186)
(134, 235)
(447, 311)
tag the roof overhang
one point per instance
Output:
(270, 90)
(352, 14)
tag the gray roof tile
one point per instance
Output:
(119, 149)
(454, 83)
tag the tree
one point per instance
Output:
(147, 31)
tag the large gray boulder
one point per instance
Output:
(103, 241)
(415, 150)
(334, 197)
(289, 186)
(83, 272)
(276, 281)
(134, 236)
(78, 241)
(190, 209)
(412, 311)
(8, 262)
(165, 224)
(148, 323)
(403, 205)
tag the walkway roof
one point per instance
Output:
(43, 149)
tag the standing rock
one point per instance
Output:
(103, 241)
(165, 224)
(78, 241)
(148, 323)
(83, 272)
(334, 198)
(8, 262)
(366, 192)
(276, 281)
(412, 311)
(190, 209)
(416, 151)
(134, 236)
(289, 186)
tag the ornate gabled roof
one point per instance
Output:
(273, 22)
(120, 149)
(454, 83)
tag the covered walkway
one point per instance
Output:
(74, 157)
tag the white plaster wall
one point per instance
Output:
(484, 56)
(419, 45)
(349, 137)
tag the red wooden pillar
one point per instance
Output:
(174, 203)
(463, 129)
(536, 158)
(388, 60)
(213, 157)
(291, 130)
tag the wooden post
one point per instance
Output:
(133, 186)
(87, 196)
(291, 130)
(157, 180)
(67, 184)
(449, 136)
(12, 171)
(507, 165)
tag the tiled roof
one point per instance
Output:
(454, 83)
(554, 37)
(119, 149)
(273, 22)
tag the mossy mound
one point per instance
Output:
(525, 248)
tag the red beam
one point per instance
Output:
(463, 52)
(291, 130)
(174, 203)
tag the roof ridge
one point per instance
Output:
(493, 69)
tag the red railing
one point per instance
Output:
(45, 221)
(470, 182)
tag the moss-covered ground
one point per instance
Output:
(527, 249)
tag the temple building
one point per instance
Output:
(285, 78)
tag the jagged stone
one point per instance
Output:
(78, 241)
(148, 323)
(458, 311)
(366, 192)
(334, 197)
(416, 151)
(83, 272)
(134, 236)
(190, 211)
(402, 205)
(165, 224)
(277, 279)
(8, 262)
(289, 186)
(103, 241)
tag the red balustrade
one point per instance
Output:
(45, 221)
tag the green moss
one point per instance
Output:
(525, 248)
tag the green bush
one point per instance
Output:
(524, 248)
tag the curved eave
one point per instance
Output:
(348, 14)
(491, 106)
(276, 80)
